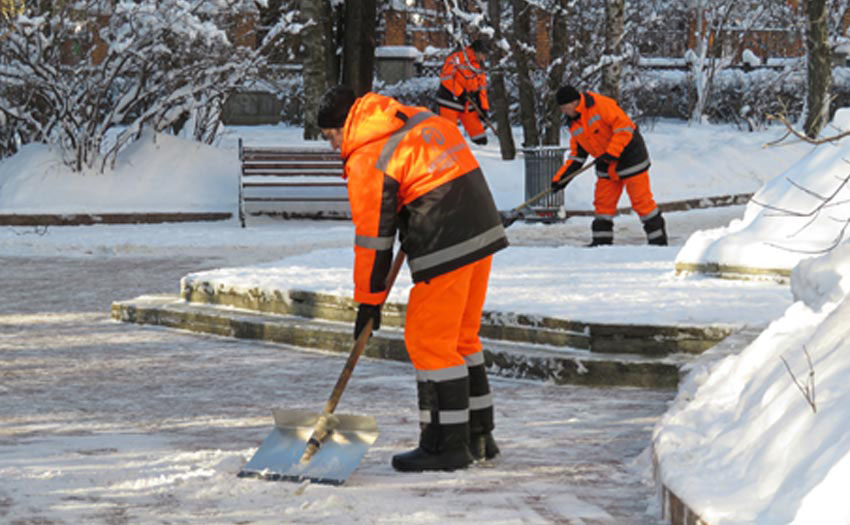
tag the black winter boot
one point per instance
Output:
(441, 447)
(653, 225)
(483, 446)
(481, 442)
(603, 232)
(444, 436)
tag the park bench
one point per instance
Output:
(292, 183)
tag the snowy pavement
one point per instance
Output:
(106, 422)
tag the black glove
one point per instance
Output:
(364, 313)
(485, 114)
(605, 160)
(558, 185)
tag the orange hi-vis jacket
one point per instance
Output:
(602, 127)
(462, 74)
(411, 171)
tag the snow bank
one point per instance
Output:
(757, 450)
(158, 173)
(798, 214)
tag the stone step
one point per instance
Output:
(646, 340)
(527, 360)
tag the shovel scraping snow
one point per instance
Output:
(511, 216)
(323, 447)
(279, 456)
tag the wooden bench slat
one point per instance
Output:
(293, 184)
(291, 167)
(258, 173)
(295, 157)
(295, 166)
(294, 199)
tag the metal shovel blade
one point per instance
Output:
(279, 456)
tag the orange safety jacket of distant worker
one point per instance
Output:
(603, 127)
(410, 171)
(462, 74)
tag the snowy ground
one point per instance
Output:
(105, 422)
(115, 423)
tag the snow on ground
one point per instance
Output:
(137, 435)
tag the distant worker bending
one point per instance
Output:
(598, 127)
(463, 90)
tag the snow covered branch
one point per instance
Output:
(74, 75)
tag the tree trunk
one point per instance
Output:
(819, 68)
(553, 118)
(315, 67)
(498, 94)
(614, 27)
(520, 42)
(358, 50)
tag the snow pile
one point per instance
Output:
(766, 441)
(158, 173)
(798, 214)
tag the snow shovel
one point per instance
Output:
(511, 216)
(322, 448)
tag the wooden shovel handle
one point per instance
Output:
(547, 191)
(360, 343)
(320, 431)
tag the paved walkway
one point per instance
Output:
(107, 422)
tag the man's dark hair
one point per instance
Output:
(334, 106)
(479, 46)
(566, 94)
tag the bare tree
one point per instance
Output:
(716, 19)
(615, 15)
(358, 51)
(83, 68)
(315, 70)
(552, 118)
(819, 60)
(499, 98)
(523, 52)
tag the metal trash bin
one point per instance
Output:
(541, 163)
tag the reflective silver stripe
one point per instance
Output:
(447, 417)
(482, 135)
(593, 119)
(650, 215)
(442, 374)
(654, 234)
(480, 402)
(396, 138)
(475, 359)
(606, 234)
(634, 169)
(602, 174)
(579, 159)
(604, 217)
(374, 243)
(577, 132)
(450, 104)
(628, 129)
(458, 250)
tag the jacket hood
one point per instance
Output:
(372, 117)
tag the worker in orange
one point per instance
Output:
(410, 171)
(463, 90)
(598, 127)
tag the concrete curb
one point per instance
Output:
(505, 358)
(87, 219)
(727, 271)
(642, 340)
